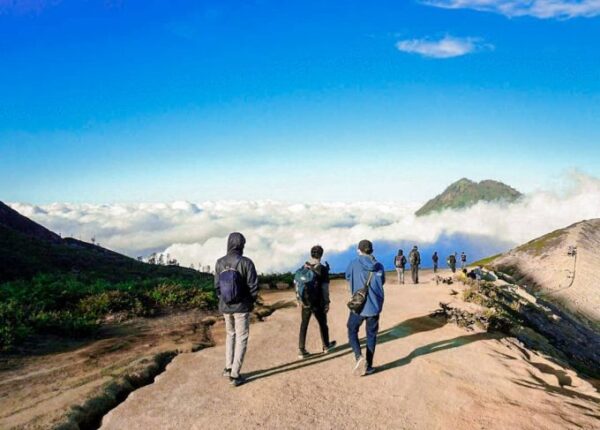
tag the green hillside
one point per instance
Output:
(64, 286)
(464, 193)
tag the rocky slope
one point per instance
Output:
(550, 269)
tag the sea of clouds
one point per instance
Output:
(280, 234)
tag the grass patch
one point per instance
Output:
(538, 246)
(485, 262)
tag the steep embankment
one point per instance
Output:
(548, 268)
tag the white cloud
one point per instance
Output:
(543, 9)
(446, 47)
(279, 235)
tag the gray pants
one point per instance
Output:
(237, 327)
(400, 272)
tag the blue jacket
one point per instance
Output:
(357, 274)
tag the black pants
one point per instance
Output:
(321, 317)
(415, 273)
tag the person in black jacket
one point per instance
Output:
(318, 305)
(435, 258)
(415, 261)
(236, 313)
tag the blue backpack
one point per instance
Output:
(231, 284)
(306, 285)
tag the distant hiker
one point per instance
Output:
(435, 258)
(415, 261)
(463, 260)
(400, 264)
(312, 291)
(237, 287)
(365, 275)
(452, 262)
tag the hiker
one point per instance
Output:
(452, 262)
(365, 271)
(435, 260)
(312, 291)
(400, 264)
(237, 288)
(463, 260)
(415, 261)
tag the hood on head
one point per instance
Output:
(235, 243)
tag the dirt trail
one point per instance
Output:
(430, 375)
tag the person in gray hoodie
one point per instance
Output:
(365, 269)
(236, 283)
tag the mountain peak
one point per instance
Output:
(465, 193)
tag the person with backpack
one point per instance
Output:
(435, 258)
(400, 264)
(367, 276)
(312, 292)
(451, 261)
(463, 260)
(415, 261)
(236, 283)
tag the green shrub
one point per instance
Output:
(110, 302)
(73, 306)
(13, 325)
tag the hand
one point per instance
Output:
(326, 308)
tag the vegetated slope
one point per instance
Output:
(28, 249)
(464, 193)
(546, 267)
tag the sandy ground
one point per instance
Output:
(570, 282)
(38, 389)
(430, 375)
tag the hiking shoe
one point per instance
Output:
(360, 366)
(369, 371)
(329, 348)
(226, 373)
(236, 382)
(303, 353)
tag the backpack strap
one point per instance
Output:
(369, 279)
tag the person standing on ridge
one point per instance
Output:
(463, 260)
(400, 264)
(452, 262)
(236, 283)
(415, 261)
(312, 291)
(365, 271)
(435, 260)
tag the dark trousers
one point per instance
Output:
(435, 266)
(354, 323)
(453, 268)
(414, 270)
(321, 317)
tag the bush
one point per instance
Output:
(175, 295)
(110, 302)
(13, 325)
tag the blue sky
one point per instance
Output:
(125, 101)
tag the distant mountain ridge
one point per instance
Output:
(464, 193)
(28, 249)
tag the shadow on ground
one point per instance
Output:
(402, 330)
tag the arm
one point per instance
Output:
(216, 277)
(252, 280)
(325, 284)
